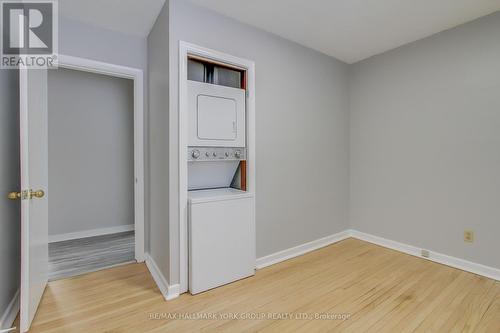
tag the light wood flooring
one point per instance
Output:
(84, 255)
(380, 289)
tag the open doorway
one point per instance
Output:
(35, 193)
(91, 172)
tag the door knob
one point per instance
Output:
(14, 195)
(36, 194)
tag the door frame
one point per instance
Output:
(188, 49)
(137, 75)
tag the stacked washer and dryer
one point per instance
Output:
(221, 213)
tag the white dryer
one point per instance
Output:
(216, 115)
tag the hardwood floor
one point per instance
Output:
(379, 289)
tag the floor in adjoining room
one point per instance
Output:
(84, 255)
(350, 286)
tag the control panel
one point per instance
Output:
(216, 154)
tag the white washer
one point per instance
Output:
(221, 237)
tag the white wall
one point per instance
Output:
(91, 155)
(10, 220)
(301, 130)
(425, 142)
(159, 142)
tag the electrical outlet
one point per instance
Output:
(425, 253)
(468, 236)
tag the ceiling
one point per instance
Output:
(349, 30)
(353, 30)
(134, 17)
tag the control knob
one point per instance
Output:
(237, 154)
(195, 153)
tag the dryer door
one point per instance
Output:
(216, 115)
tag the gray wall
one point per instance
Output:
(425, 142)
(159, 141)
(302, 126)
(82, 40)
(91, 155)
(10, 221)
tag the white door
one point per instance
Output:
(34, 180)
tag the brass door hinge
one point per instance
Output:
(26, 195)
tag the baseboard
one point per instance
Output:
(168, 291)
(301, 249)
(90, 233)
(10, 314)
(465, 265)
